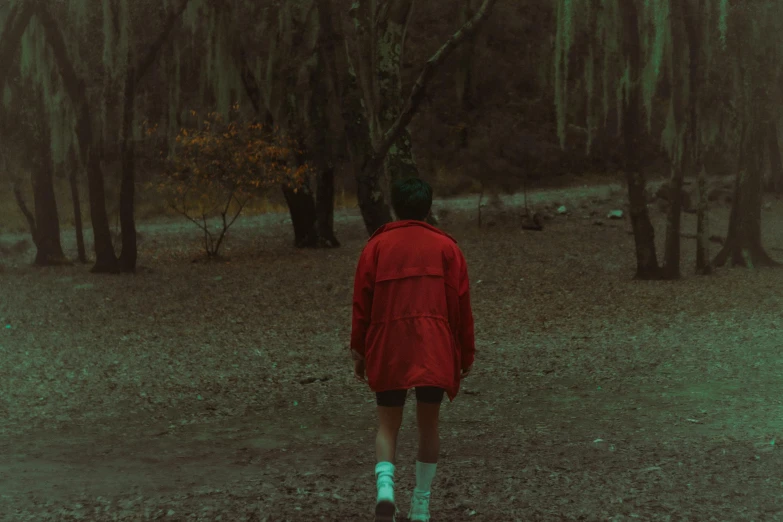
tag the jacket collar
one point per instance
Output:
(408, 223)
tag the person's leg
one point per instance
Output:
(427, 413)
(390, 405)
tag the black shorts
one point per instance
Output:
(396, 398)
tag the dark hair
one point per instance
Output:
(411, 199)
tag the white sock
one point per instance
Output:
(384, 480)
(425, 472)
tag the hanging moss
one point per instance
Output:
(658, 14)
(563, 41)
(559, 83)
(26, 58)
(123, 47)
(192, 15)
(723, 20)
(590, 82)
(108, 39)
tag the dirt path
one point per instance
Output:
(177, 225)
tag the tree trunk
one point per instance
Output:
(775, 180)
(374, 209)
(703, 265)
(301, 205)
(644, 233)
(693, 30)
(671, 266)
(129, 252)
(323, 143)
(369, 192)
(105, 258)
(324, 209)
(679, 159)
(389, 34)
(77, 206)
(47, 221)
(743, 241)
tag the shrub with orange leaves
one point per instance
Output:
(220, 165)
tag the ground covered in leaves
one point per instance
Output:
(223, 390)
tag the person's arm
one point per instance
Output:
(467, 341)
(363, 286)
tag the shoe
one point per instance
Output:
(420, 507)
(385, 508)
(385, 511)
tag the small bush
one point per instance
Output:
(221, 165)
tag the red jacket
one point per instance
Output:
(412, 320)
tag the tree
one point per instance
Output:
(617, 54)
(122, 72)
(134, 72)
(284, 86)
(370, 146)
(679, 119)
(377, 57)
(756, 76)
(74, 86)
(24, 99)
(378, 51)
(46, 234)
(686, 41)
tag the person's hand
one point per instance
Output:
(466, 371)
(358, 371)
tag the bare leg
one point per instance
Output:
(429, 438)
(390, 419)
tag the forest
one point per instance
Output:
(186, 187)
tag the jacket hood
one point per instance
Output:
(408, 223)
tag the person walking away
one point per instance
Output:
(412, 327)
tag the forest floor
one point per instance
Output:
(224, 390)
